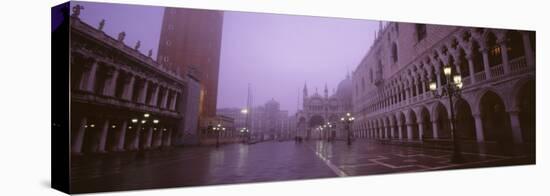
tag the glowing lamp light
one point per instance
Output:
(342, 119)
(143, 121)
(348, 114)
(433, 86)
(457, 79)
(244, 111)
(459, 85)
(135, 120)
(447, 70)
(156, 121)
(114, 126)
(92, 125)
(146, 115)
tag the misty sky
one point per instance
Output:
(275, 53)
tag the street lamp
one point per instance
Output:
(347, 120)
(451, 88)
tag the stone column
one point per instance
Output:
(392, 129)
(471, 67)
(504, 52)
(420, 130)
(135, 140)
(78, 138)
(416, 86)
(103, 136)
(435, 129)
(516, 128)
(110, 83)
(168, 140)
(88, 78)
(529, 55)
(485, 53)
(164, 99)
(424, 86)
(438, 77)
(158, 140)
(154, 96)
(148, 138)
(409, 130)
(479, 128)
(400, 129)
(173, 101)
(128, 88)
(121, 137)
(143, 92)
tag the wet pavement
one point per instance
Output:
(262, 162)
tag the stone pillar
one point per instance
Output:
(110, 82)
(392, 129)
(479, 128)
(409, 130)
(88, 78)
(173, 101)
(103, 136)
(435, 129)
(154, 96)
(485, 53)
(516, 128)
(529, 55)
(424, 86)
(438, 77)
(386, 130)
(416, 87)
(143, 92)
(148, 138)
(400, 129)
(420, 130)
(134, 145)
(504, 52)
(78, 138)
(168, 140)
(128, 88)
(121, 136)
(164, 99)
(471, 67)
(158, 142)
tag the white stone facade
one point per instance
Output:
(391, 99)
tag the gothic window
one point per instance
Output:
(420, 32)
(495, 54)
(514, 43)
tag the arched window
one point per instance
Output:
(477, 58)
(464, 67)
(394, 54)
(514, 44)
(495, 55)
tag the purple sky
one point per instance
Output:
(275, 53)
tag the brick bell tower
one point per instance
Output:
(190, 42)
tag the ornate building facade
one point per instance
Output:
(120, 98)
(319, 110)
(392, 100)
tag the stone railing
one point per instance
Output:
(480, 76)
(518, 64)
(497, 71)
(466, 81)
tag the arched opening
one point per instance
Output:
(477, 58)
(526, 104)
(464, 67)
(465, 124)
(514, 44)
(495, 54)
(496, 123)
(426, 123)
(442, 122)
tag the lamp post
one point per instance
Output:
(347, 120)
(246, 128)
(451, 89)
